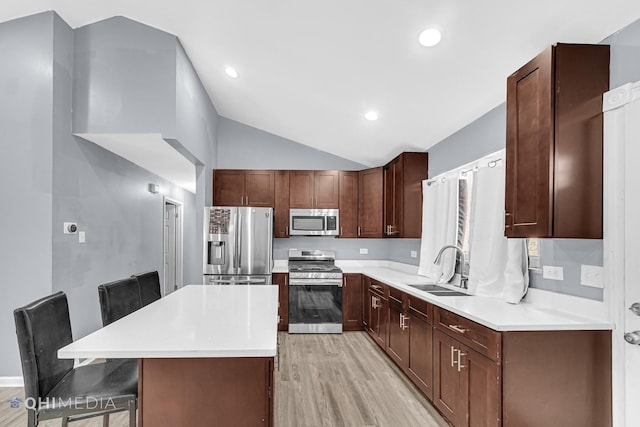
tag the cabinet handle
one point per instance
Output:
(358, 230)
(453, 361)
(460, 365)
(246, 201)
(458, 328)
(341, 233)
(507, 219)
(403, 320)
(286, 230)
(344, 282)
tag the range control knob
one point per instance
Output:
(632, 337)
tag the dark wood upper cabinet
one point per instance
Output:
(403, 178)
(348, 204)
(554, 143)
(234, 187)
(314, 189)
(370, 203)
(281, 208)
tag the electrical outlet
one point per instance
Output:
(414, 254)
(82, 237)
(592, 275)
(552, 272)
(364, 251)
(532, 247)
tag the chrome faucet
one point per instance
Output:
(463, 275)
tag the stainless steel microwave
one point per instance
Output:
(314, 222)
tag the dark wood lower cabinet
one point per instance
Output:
(352, 302)
(377, 316)
(420, 360)
(282, 281)
(206, 392)
(398, 339)
(479, 377)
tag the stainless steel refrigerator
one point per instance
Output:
(238, 245)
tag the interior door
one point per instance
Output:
(622, 232)
(632, 254)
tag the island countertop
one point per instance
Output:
(195, 321)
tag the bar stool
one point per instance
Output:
(149, 287)
(53, 387)
(118, 299)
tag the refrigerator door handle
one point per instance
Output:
(239, 244)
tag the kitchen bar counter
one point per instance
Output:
(206, 355)
(195, 321)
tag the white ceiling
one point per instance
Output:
(309, 70)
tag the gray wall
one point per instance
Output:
(244, 147)
(125, 76)
(122, 68)
(26, 97)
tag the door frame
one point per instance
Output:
(614, 181)
(179, 242)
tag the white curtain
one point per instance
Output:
(439, 228)
(498, 267)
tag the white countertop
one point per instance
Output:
(195, 321)
(491, 312)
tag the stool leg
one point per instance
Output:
(132, 414)
(105, 420)
(65, 421)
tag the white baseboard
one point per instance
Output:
(11, 382)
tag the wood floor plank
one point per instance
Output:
(331, 380)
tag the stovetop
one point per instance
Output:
(313, 265)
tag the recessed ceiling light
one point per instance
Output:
(371, 115)
(231, 72)
(430, 37)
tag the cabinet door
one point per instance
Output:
(281, 208)
(326, 190)
(366, 301)
(282, 281)
(301, 186)
(398, 336)
(348, 204)
(370, 206)
(420, 361)
(529, 192)
(391, 194)
(228, 187)
(351, 302)
(414, 171)
(449, 389)
(259, 188)
(482, 379)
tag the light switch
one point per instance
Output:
(364, 251)
(414, 254)
(81, 237)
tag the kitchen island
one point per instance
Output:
(206, 355)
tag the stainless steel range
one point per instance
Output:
(315, 292)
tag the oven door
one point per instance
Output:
(315, 306)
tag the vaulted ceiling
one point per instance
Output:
(308, 71)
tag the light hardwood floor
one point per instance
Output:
(322, 380)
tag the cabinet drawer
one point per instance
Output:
(421, 308)
(378, 288)
(396, 296)
(482, 339)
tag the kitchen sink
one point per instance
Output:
(439, 291)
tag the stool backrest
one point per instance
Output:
(118, 299)
(43, 327)
(149, 287)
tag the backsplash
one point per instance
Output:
(345, 248)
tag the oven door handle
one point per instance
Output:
(323, 282)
